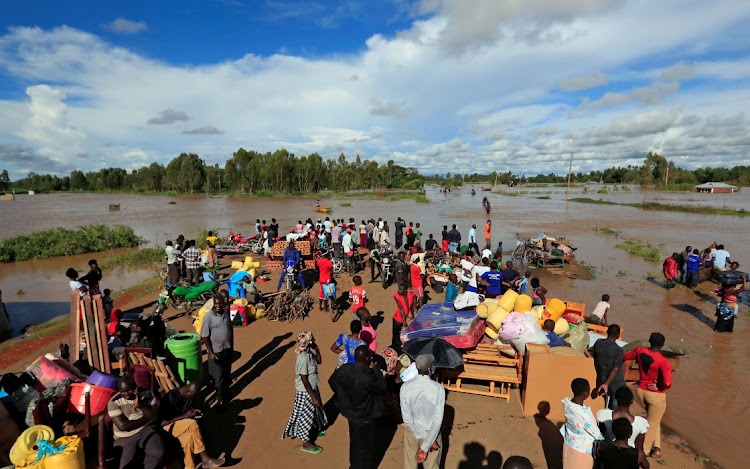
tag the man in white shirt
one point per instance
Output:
(348, 245)
(473, 240)
(720, 258)
(173, 266)
(422, 406)
(327, 225)
(477, 272)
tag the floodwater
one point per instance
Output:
(705, 405)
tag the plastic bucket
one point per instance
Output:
(184, 357)
(98, 396)
(104, 380)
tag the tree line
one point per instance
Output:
(282, 172)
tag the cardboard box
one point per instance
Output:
(548, 372)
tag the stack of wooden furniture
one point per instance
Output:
(88, 322)
(275, 258)
(164, 376)
(489, 366)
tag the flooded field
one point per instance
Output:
(705, 403)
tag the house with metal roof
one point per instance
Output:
(716, 188)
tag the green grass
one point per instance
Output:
(143, 289)
(607, 231)
(418, 198)
(669, 207)
(266, 193)
(346, 204)
(544, 197)
(67, 242)
(602, 191)
(674, 187)
(144, 256)
(646, 251)
(507, 194)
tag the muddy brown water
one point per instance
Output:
(705, 404)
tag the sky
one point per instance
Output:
(439, 85)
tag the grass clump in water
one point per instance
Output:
(145, 256)
(669, 207)
(607, 231)
(646, 251)
(346, 204)
(418, 198)
(67, 242)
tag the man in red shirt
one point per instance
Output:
(325, 267)
(403, 315)
(655, 379)
(415, 272)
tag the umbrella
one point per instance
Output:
(667, 350)
(446, 355)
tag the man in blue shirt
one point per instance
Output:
(510, 275)
(692, 265)
(493, 280)
(293, 259)
(554, 339)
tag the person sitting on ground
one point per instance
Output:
(346, 344)
(178, 417)
(133, 411)
(367, 333)
(554, 339)
(618, 454)
(538, 292)
(624, 398)
(599, 315)
(451, 290)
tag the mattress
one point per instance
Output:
(440, 320)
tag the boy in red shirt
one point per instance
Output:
(357, 294)
(655, 379)
(325, 268)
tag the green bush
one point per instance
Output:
(414, 184)
(67, 242)
(265, 193)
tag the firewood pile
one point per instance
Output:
(289, 306)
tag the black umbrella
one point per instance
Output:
(446, 355)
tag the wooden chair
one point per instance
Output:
(489, 365)
(165, 378)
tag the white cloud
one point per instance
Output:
(498, 99)
(584, 82)
(678, 71)
(123, 26)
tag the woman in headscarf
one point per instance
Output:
(308, 417)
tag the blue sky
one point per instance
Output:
(441, 85)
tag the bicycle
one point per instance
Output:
(522, 252)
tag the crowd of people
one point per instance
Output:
(372, 385)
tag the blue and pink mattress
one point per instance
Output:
(442, 320)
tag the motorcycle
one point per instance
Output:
(386, 269)
(185, 297)
(292, 280)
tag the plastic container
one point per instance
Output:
(99, 397)
(24, 447)
(103, 380)
(72, 456)
(508, 300)
(522, 304)
(185, 358)
(555, 309)
(236, 265)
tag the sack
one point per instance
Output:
(467, 300)
(578, 337)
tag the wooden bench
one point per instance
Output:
(486, 364)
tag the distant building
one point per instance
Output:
(716, 188)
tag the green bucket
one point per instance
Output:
(184, 356)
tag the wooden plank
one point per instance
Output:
(102, 329)
(97, 335)
(91, 336)
(89, 353)
(75, 327)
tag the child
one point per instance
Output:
(451, 290)
(346, 344)
(72, 275)
(539, 291)
(107, 302)
(521, 283)
(357, 294)
(368, 333)
(554, 339)
(599, 315)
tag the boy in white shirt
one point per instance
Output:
(599, 315)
